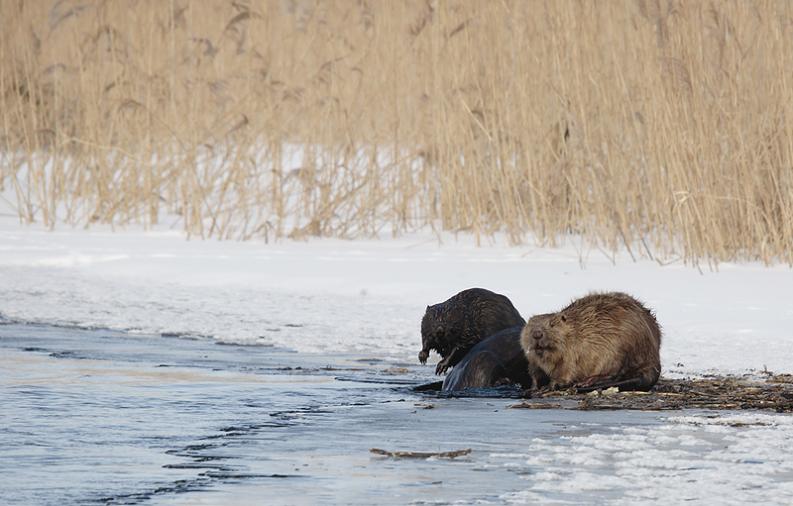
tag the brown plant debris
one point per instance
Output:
(420, 455)
(537, 405)
(774, 393)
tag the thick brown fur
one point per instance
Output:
(455, 326)
(600, 340)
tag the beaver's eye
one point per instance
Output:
(563, 318)
(551, 323)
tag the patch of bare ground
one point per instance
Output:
(774, 393)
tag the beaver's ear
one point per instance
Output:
(563, 317)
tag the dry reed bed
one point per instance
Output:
(657, 125)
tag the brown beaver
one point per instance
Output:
(598, 341)
(453, 327)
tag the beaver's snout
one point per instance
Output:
(540, 340)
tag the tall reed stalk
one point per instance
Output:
(659, 126)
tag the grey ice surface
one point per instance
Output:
(103, 417)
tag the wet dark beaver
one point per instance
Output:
(453, 327)
(598, 341)
(497, 360)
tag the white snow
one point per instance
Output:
(368, 296)
(735, 459)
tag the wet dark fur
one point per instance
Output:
(497, 360)
(455, 326)
(598, 341)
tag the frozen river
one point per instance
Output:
(249, 373)
(97, 416)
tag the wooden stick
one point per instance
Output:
(421, 455)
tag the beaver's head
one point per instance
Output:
(546, 336)
(433, 333)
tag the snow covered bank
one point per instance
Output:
(368, 296)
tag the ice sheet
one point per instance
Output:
(368, 296)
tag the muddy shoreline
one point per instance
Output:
(734, 393)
